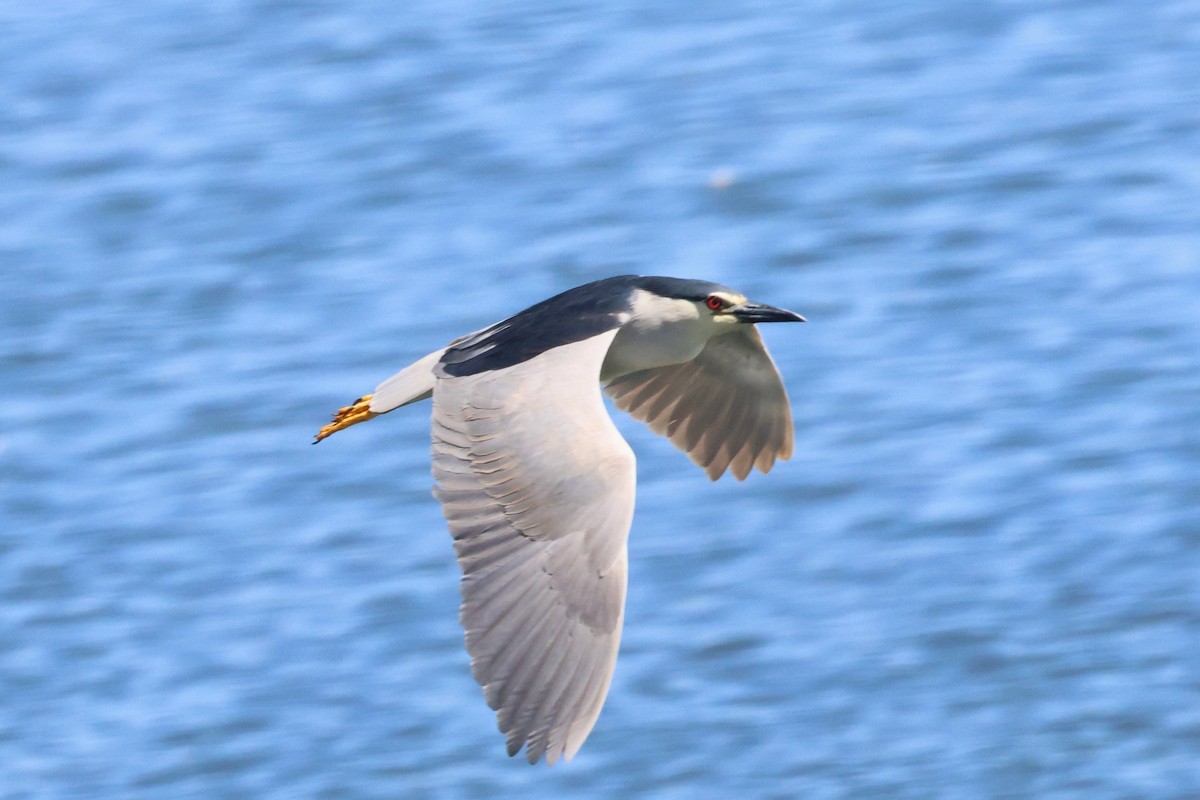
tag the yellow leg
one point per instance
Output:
(356, 412)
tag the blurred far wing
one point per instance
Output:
(726, 408)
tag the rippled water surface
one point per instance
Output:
(978, 578)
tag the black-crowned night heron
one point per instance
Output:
(537, 485)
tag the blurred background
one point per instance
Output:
(978, 578)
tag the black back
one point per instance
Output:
(574, 315)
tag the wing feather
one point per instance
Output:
(728, 436)
(537, 487)
(726, 408)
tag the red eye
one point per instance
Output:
(714, 302)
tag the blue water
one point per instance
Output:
(978, 578)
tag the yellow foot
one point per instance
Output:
(356, 412)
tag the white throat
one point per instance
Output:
(660, 331)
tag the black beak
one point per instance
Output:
(757, 312)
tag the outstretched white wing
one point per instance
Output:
(538, 487)
(726, 408)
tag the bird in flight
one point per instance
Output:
(537, 486)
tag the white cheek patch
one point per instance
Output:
(645, 305)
